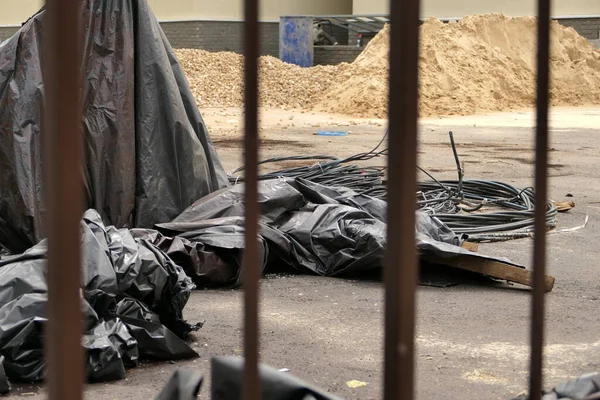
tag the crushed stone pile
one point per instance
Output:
(481, 63)
(216, 79)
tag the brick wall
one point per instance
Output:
(220, 36)
(228, 36)
(340, 34)
(207, 35)
(329, 55)
(586, 27)
(7, 32)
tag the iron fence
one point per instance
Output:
(63, 77)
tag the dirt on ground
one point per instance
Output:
(480, 63)
(472, 339)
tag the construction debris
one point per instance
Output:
(564, 206)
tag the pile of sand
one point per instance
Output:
(216, 80)
(481, 63)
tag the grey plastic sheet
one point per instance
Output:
(147, 153)
(132, 305)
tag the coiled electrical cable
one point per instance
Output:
(484, 210)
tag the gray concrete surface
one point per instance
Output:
(473, 338)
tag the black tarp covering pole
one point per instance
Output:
(401, 271)
(541, 192)
(251, 264)
(64, 196)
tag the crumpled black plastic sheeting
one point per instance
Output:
(147, 152)
(4, 383)
(305, 227)
(182, 385)
(132, 305)
(211, 253)
(227, 383)
(327, 239)
(575, 389)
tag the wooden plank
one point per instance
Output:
(494, 269)
(474, 247)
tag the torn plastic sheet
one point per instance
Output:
(147, 153)
(227, 383)
(132, 305)
(308, 227)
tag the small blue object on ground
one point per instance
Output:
(325, 133)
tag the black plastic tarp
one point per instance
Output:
(147, 152)
(182, 385)
(328, 239)
(227, 383)
(132, 304)
(304, 228)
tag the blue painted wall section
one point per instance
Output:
(296, 41)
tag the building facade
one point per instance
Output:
(583, 15)
(217, 25)
(214, 25)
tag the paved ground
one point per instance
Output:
(472, 339)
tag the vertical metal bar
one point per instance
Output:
(541, 195)
(401, 256)
(64, 195)
(251, 268)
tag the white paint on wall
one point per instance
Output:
(270, 10)
(460, 8)
(196, 9)
(14, 12)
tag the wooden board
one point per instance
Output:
(494, 269)
(470, 246)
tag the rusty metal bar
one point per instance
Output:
(541, 194)
(64, 195)
(251, 270)
(401, 256)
